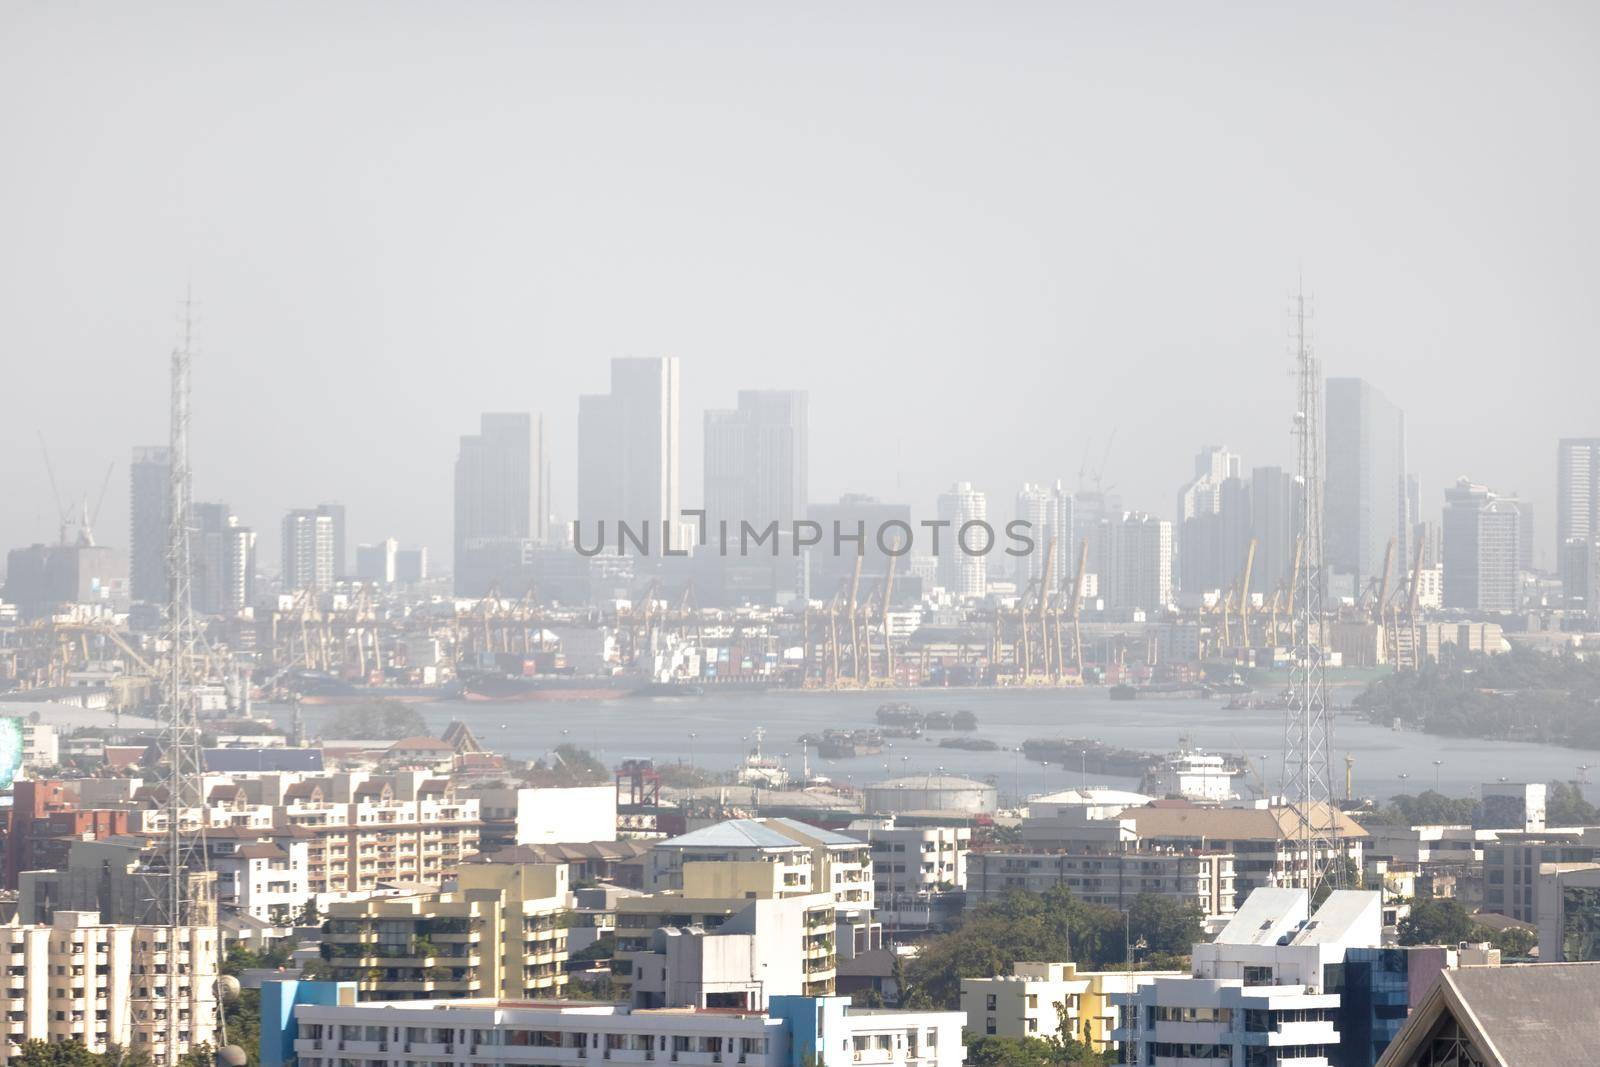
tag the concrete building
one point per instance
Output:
(1048, 511)
(149, 511)
(1043, 1000)
(1502, 1017)
(1577, 494)
(736, 934)
(1212, 523)
(1141, 574)
(543, 816)
(795, 1031)
(806, 859)
(42, 578)
(963, 570)
(1481, 536)
(100, 984)
(919, 872)
(1260, 839)
(308, 556)
(628, 450)
(376, 563)
(224, 560)
(498, 934)
(756, 459)
(1205, 879)
(1274, 518)
(411, 565)
(494, 483)
(829, 570)
(1513, 862)
(1365, 483)
(1260, 992)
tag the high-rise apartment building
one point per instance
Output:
(101, 985)
(494, 495)
(307, 550)
(223, 558)
(628, 442)
(1274, 522)
(1050, 514)
(411, 565)
(1481, 549)
(964, 572)
(755, 459)
(1577, 512)
(1141, 573)
(336, 512)
(1365, 486)
(376, 563)
(149, 506)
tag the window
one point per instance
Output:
(989, 1002)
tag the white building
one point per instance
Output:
(811, 1031)
(99, 984)
(547, 816)
(1257, 991)
(1045, 999)
(263, 879)
(918, 871)
(963, 546)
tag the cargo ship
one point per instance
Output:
(487, 686)
(318, 688)
(1094, 756)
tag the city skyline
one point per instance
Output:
(1068, 324)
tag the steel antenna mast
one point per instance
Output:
(1307, 766)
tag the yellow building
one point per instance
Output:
(499, 933)
(1040, 999)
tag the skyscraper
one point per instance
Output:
(1364, 496)
(239, 575)
(208, 555)
(149, 505)
(1049, 512)
(494, 482)
(1274, 507)
(755, 459)
(1481, 552)
(307, 550)
(336, 513)
(375, 563)
(1213, 527)
(1141, 574)
(628, 448)
(963, 574)
(1577, 507)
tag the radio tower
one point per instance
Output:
(1308, 728)
(179, 899)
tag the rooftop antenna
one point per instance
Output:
(1308, 728)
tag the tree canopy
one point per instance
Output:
(1053, 926)
(376, 720)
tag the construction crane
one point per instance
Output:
(1044, 606)
(888, 640)
(1076, 607)
(1244, 595)
(1413, 655)
(855, 629)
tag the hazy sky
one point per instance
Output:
(980, 235)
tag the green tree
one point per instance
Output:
(54, 1054)
(1565, 805)
(375, 720)
(1512, 941)
(1437, 922)
(1165, 925)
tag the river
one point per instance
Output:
(716, 729)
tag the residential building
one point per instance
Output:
(1048, 511)
(42, 579)
(1259, 838)
(735, 935)
(376, 563)
(1141, 574)
(755, 459)
(1513, 860)
(1577, 495)
(1213, 523)
(498, 933)
(224, 559)
(1503, 1017)
(100, 984)
(1481, 552)
(963, 563)
(919, 872)
(1364, 487)
(806, 859)
(628, 451)
(1274, 522)
(1263, 992)
(1205, 879)
(308, 556)
(514, 816)
(494, 477)
(43, 820)
(149, 513)
(795, 1031)
(1044, 1000)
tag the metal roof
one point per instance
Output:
(735, 833)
